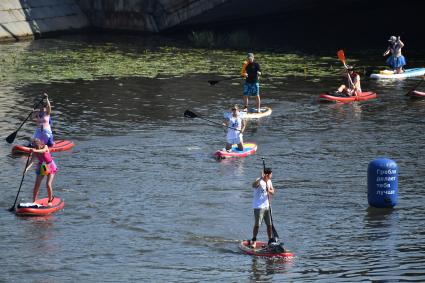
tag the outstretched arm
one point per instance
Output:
(243, 126)
(29, 163)
(48, 106)
(41, 150)
(400, 42)
(387, 51)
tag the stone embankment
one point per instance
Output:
(34, 18)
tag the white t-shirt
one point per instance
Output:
(234, 122)
(260, 198)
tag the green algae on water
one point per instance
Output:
(48, 60)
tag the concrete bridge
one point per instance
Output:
(33, 18)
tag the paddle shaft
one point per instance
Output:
(12, 136)
(213, 82)
(341, 56)
(270, 205)
(20, 185)
(416, 86)
(193, 115)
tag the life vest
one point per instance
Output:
(243, 70)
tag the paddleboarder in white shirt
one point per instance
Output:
(235, 128)
(260, 203)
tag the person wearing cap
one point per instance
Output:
(263, 187)
(353, 87)
(250, 71)
(396, 61)
(235, 127)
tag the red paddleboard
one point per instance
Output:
(361, 96)
(416, 94)
(60, 145)
(248, 149)
(262, 249)
(39, 208)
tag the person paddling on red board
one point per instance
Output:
(46, 167)
(43, 132)
(396, 61)
(235, 127)
(260, 202)
(353, 87)
(251, 71)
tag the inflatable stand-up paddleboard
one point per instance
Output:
(252, 113)
(262, 249)
(60, 145)
(39, 207)
(389, 74)
(340, 97)
(416, 94)
(248, 149)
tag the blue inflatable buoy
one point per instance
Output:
(382, 183)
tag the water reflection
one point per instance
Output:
(263, 269)
(42, 231)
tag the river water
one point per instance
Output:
(145, 200)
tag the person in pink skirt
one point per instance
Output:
(45, 167)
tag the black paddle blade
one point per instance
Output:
(213, 82)
(189, 114)
(11, 137)
(12, 209)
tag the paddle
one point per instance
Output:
(190, 114)
(213, 82)
(416, 86)
(20, 185)
(275, 235)
(12, 136)
(341, 57)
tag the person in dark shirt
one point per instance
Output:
(251, 70)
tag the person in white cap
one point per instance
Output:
(251, 70)
(396, 61)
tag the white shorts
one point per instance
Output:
(235, 140)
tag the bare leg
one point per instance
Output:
(342, 88)
(240, 145)
(258, 100)
(36, 187)
(245, 101)
(270, 231)
(49, 186)
(228, 146)
(255, 232)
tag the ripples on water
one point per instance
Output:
(146, 201)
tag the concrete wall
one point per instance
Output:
(33, 18)
(144, 15)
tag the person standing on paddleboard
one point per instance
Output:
(396, 61)
(260, 203)
(235, 128)
(43, 132)
(354, 86)
(250, 71)
(46, 167)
